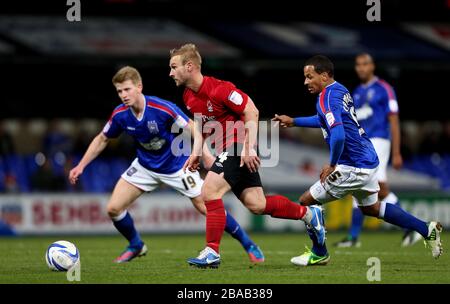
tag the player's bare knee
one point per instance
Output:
(306, 199)
(302, 200)
(113, 211)
(373, 210)
(207, 196)
(383, 193)
(254, 200)
(255, 207)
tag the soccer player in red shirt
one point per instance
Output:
(230, 118)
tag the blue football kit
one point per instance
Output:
(152, 133)
(374, 102)
(335, 109)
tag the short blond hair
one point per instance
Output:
(187, 52)
(127, 73)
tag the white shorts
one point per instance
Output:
(189, 183)
(383, 148)
(361, 183)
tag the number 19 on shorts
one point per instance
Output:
(188, 182)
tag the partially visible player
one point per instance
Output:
(148, 119)
(377, 111)
(230, 118)
(353, 161)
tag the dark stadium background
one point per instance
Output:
(62, 86)
(42, 87)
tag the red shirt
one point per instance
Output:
(221, 105)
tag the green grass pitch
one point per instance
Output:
(22, 261)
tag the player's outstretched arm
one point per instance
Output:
(249, 156)
(307, 122)
(207, 157)
(97, 145)
(284, 120)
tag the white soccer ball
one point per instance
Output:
(62, 255)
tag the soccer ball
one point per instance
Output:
(61, 256)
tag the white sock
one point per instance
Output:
(308, 216)
(382, 209)
(354, 202)
(391, 198)
(119, 217)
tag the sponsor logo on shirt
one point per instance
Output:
(364, 112)
(131, 128)
(206, 118)
(155, 144)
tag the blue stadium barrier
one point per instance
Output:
(433, 165)
(102, 174)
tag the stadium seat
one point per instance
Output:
(15, 165)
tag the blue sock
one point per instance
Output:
(399, 217)
(125, 225)
(391, 198)
(236, 231)
(357, 223)
(317, 248)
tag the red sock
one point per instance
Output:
(281, 207)
(215, 223)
